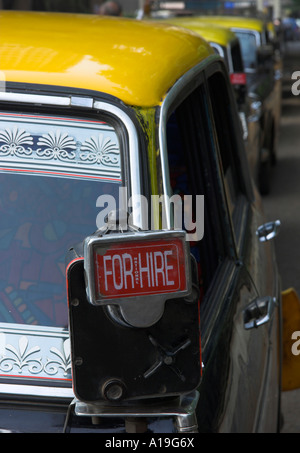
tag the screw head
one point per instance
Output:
(78, 361)
(75, 302)
(168, 360)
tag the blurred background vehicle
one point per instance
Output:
(291, 29)
(263, 69)
(227, 45)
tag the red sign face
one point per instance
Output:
(238, 78)
(140, 268)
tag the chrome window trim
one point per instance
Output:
(176, 89)
(64, 101)
(35, 331)
(229, 57)
(134, 161)
(258, 37)
(218, 48)
(37, 391)
(35, 99)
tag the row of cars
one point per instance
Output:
(249, 49)
(139, 289)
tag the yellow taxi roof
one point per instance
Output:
(236, 22)
(212, 33)
(135, 61)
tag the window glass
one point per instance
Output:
(248, 48)
(224, 118)
(191, 173)
(237, 61)
(52, 171)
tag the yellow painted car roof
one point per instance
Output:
(212, 33)
(136, 61)
(236, 22)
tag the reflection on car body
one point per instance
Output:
(263, 70)
(152, 113)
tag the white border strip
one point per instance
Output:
(36, 391)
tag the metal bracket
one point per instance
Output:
(183, 409)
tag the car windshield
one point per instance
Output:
(52, 170)
(248, 48)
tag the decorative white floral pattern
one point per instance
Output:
(65, 149)
(58, 146)
(25, 360)
(14, 141)
(100, 150)
(63, 360)
(21, 358)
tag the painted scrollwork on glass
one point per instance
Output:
(14, 141)
(21, 358)
(100, 150)
(63, 360)
(56, 145)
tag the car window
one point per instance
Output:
(53, 169)
(248, 48)
(237, 60)
(191, 164)
(223, 117)
(201, 128)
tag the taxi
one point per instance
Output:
(138, 284)
(264, 79)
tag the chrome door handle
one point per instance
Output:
(259, 312)
(268, 231)
(256, 106)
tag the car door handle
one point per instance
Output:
(268, 231)
(259, 312)
(256, 107)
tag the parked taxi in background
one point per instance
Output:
(227, 45)
(263, 69)
(138, 285)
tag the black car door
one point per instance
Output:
(204, 141)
